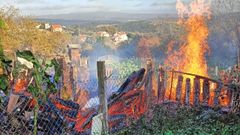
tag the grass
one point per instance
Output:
(172, 120)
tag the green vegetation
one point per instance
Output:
(20, 33)
(108, 28)
(125, 67)
(170, 120)
(4, 65)
(40, 93)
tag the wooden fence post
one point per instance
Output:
(161, 81)
(159, 88)
(188, 90)
(72, 82)
(216, 94)
(148, 85)
(206, 91)
(179, 88)
(196, 91)
(102, 95)
(170, 95)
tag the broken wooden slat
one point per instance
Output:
(217, 94)
(187, 93)
(196, 91)
(206, 91)
(179, 88)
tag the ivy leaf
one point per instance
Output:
(3, 82)
(33, 90)
(57, 69)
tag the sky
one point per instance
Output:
(47, 7)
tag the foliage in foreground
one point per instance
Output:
(186, 121)
(5, 65)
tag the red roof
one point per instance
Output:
(56, 26)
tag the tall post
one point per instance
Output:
(72, 82)
(159, 84)
(170, 95)
(161, 88)
(148, 85)
(102, 95)
(238, 45)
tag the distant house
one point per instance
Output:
(47, 26)
(82, 38)
(120, 37)
(43, 26)
(103, 34)
(56, 28)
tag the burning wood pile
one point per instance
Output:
(58, 116)
(232, 77)
(131, 101)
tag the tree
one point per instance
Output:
(20, 33)
(227, 14)
(108, 28)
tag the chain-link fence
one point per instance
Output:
(55, 116)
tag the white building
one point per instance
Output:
(47, 26)
(120, 37)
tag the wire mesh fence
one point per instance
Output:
(55, 115)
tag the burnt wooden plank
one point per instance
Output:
(187, 93)
(206, 91)
(196, 91)
(179, 88)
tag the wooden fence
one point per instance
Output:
(190, 89)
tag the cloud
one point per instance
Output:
(43, 7)
(139, 4)
(25, 1)
(163, 4)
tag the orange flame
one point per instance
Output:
(190, 57)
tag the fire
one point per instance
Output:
(190, 57)
(193, 52)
